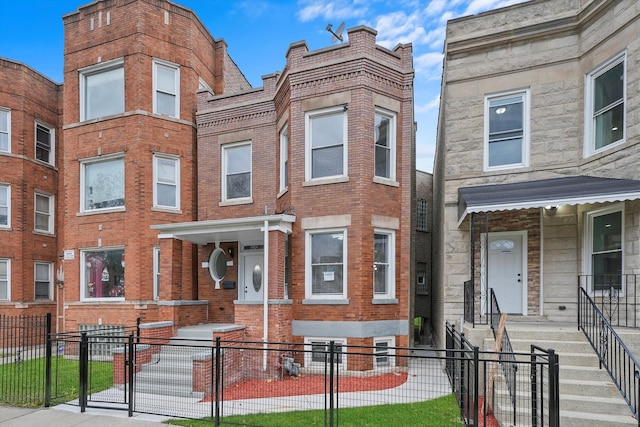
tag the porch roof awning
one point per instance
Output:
(225, 230)
(568, 190)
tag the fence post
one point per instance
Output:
(217, 383)
(47, 374)
(84, 371)
(554, 387)
(534, 389)
(331, 359)
(476, 387)
(131, 364)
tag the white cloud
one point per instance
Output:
(331, 10)
(428, 65)
(432, 105)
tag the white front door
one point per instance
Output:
(505, 272)
(252, 280)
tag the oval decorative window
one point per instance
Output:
(218, 264)
(257, 277)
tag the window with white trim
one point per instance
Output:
(326, 264)
(166, 181)
(5, 206)
(605, 99)
(156, 273)
(5, 130)
(317, 352)
(166, 88)
(102, 273)
(44, 143)
(102, 90)
(102, 183)
(384, 352)
(506, 131)
(284, 158)
(43, 206)
(385, 144)
(43, 289)
(5, 280)
(326, 143)
(236, 171)
(383, 264)
(604, 248)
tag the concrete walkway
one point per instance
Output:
(67, 415)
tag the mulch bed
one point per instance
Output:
(307, 384)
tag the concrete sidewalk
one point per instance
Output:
(67, 415)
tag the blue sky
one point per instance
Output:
(259, 32)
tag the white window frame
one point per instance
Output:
(309, 268)
(589, 114)
(389, 354)
(87, 72)
(158, 63)
(7, 188)
(83, 275)
(7, 112)
(526, 119)
(52, 137)
(50, 214)
(87, 162)
(49, 282)
(588, 245)
(308, 118)
(390, 288)
(8, 278)
(225, 150)
(156, 273)
(284, 159)
(312, 365)
(392, 117)
(156, 180)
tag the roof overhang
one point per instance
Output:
(225, 230)
(569, 190)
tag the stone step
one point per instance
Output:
(590, 419)
(588, 388)
(593, 404)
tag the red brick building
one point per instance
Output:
(179, 193)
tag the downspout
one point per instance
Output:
(541, 303)
(265, 294)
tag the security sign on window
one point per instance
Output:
(328, 276)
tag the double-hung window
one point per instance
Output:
(5, 280)
(604, 247)
(326, 143)
(383, 264)
(284, 158)
(236, 171)
(166, 88)
(385, 144)
(5, 130)
(43, 289)
(102, 184)
(605, 105)
(44, 143)
(102, 90)
(326, 264)
(506, 130)
(5, 206)
(166, 182)
(43, 221)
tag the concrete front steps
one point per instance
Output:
(588, 397)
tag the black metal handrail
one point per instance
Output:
(614, 355)
(616, 295)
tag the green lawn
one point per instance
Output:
(437, 412)
(23, 383)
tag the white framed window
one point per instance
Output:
(317, 352)
(236, 171)
(156, 273)
(5, 130)
(43, 207)
(102, 90)
(421, 214)
(45, 143)
(326, 264)
(102, 183)
(326, 143)
(5, 279)
(385, 144)
(284, 158)
(384, 264)
(166, 181)
(604, 249)
(605, 100)
(5, 206)
(421, 288)
(384, 352)
(102, 274)
(43, 287)
(166, 88)
(506, 130)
